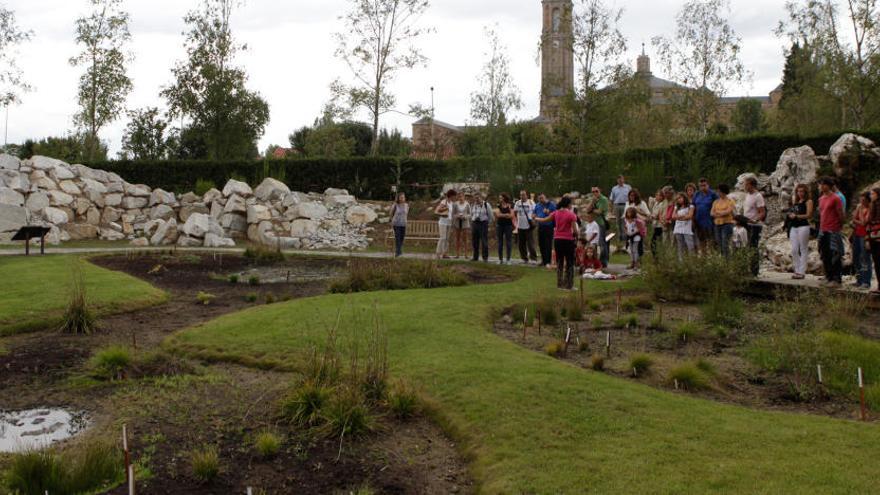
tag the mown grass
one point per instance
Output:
(534, 424)
(36, 291)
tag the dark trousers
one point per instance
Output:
(564, 263)
(656, 238)
(545, 244)
(861, 261)
(875, 255)
(480, 239)
(525, 240)
(723, 233)
(754, 245)
(605, 249)
(505, 240)
(399, 237)
(831, 250)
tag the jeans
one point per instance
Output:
(480, 239)
(723, 233)
(685, 242)
(754, 244)
(861, 261)
(545, 244)
(831, 249)
(505, 239)
(604, 251)
(526, 242)
(399, 236)
(564, 263)
(800, 248)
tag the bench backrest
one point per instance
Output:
(423, 228)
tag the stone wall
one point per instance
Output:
(79, 202)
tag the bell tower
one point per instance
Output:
(557, 56)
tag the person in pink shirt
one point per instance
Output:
(831, 219)
(564, 236)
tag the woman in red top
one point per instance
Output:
(860, 253)
(873, 231)
(564, 235)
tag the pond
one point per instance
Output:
(38, 428)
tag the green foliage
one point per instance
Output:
(724, 311)
(263, 255)
(347, 414)
(370, 275)
(573, 308)
(643, 303)
(253, 280)
(695, 278)
(549, 311)
(205, 463)
(658, 324)
(203, 185)
(748, 117)
(233, 279)
(110, 362)
(270, 298)
(144, 137)
(627, 321)
(690, 377)
(70, 149)
(78, 318)
(251, 297)
(687, 330)
(641, 363)
(35, 472)
(204, 298)
(872, 396)
(267, 444)
(304, 406)
(554, 349)
(705, 366)
(88, 468)
(403, 400)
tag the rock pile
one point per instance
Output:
(78, 202)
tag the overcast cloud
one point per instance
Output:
(290, 57)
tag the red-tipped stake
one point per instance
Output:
(862, 396)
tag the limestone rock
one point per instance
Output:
(140, 242)
(12, 218)
(850, 153)
(44, 162)
(234, 187)
(271, 189)
(110, 214)
(59, 198)
(36, 201)
(69, 187)
(360, 215)
(216, 209)
(15, 180)
(235, 204)
(258, 213)
(340, 200)
(93, 188)
(93, 216)
(303, 228)
(166, 234)
(81, 231)
(55, 216)
(211, 196)
(190, 209)
(138, 191)
(162, 211)
(215, 241)
(234, 222)
(114, 199)
(9, 162)
(311, 210)
(134, 202)
(199, 224)
(335, 192)
(11, 197)
(185, 241)
(190, 198)
(294, 199)
(161, 197)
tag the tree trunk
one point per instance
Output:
(374, 147)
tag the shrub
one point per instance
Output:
(91, 467)
(205, 463)
(597, 362)
(204, 298)
(549, 311)
(695, 278)
(233, 279)
(641, 363)
(554, 349)
(111, 362)
(304, 406)
(253, 280)
(403, 401)
(723, 310)
(204, 185)
(371, 275)
(574, 308)
(251, 297)
(78, 318)
(687, 330)
(347, 414)
(689, 376)
(267, 444)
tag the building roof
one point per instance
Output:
(734, 99)
(438, 123)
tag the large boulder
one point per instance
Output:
(190, 198)
(311, 210)
(55, 216)
(271, 189)
(235, 204)
(234, 222)
(294, 199)
(330, 191)
(303, 228)
(12, 218)
(166, 234)
(238, 188)
(138, 190)
(59, 198)
(851, 153)
(36, 201)
(258, 213)
(360, 215)
(11, 197)
(162, 211)
(161, 197)
(9, 162)
(211, 196)
(134, 202)
(81, 231)
(45, 163)
(215, 241)
(199, 224)
(110, 214)
(15, 180)
(796, 166)
(340, 200)
(190, 209)
(186, 241)
(69, 187)
(113, 199)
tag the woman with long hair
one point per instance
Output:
(504, 227)
(461, 221)
(860, 252)
(873, 230)
(444, 211)
(798, 225)
(399, 213)
(564, 235)
(684, 225)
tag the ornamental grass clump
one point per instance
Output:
(403, 400)
(78, 317)
(695, 278)
(205, 463)
(267, 444)
(111, 362)
(91, 467)
(690, 377)
(641, 364)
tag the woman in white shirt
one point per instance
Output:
(461, 221)
(444, 211)
(684, 225)
(634, 200)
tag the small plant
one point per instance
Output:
(628, 306)
(548, 310)
(253, 280)
(598, 322)
(263, 255)
(203, 186)
(584, 346)
(205, 463)
(78, 318)
(705, 366)
(204, 298)
(627, 321)
(233, 279)
(304, 406)
(251, 297)
(657, 324)
(688, 330)
(347, 414)
(595, 306)
(574, 308)
(641, 364)
(723, 311)
(403, 401)
(267, 444)
(111, 362)
(689, 376)
(643, 303)
(554, 349)
(35, 471)
(92, 467)
(597, 362)
(270, 298)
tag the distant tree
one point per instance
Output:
(71, 149)
(497, 95)
(704, 55)
(329, 141)
(378, 42)
(105, 84)
(145, 136)
(394, 144)
(12, 82)
(531, 137)
(748, 116)
(210, 92)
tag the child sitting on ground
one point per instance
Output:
(589, 259)
(740, 239)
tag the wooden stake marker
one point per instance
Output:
(582, 290)
(567, 340)
(862, 396)
(608, 343)
(819, 372)
(525, 320)
(128, 476)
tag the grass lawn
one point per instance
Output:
(35, 291)
(533, 424)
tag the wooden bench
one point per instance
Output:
(417, 230)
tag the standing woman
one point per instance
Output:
(634, 200)
(399, 213)
(861, 255)
(657, 213)
(798, 222)
(722, 213)
(504, 227)
(564, 236)
(634, 228)
(444, 211)
(874, 234)
(684, 225)
(461, 221)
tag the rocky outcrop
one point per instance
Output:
(78, 202)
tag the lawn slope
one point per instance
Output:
(536, 425)
(35, 291)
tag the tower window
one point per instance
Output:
(557, 19)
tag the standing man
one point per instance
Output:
(481, 217)
(831, 218)
(703, 200)
(545, 230)
(755, 209)
(524, 219)
(619, 197)
(600, 212)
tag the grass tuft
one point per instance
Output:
(78, 318)
(205, 463)
(267, 444)
(641, 364)
(304, 406)
(554, 349)
(204, 298)
(690, 377)
(111, 362)
(597, 362)
(366, 275)
(92, 467)
(403, 401)
(688, 330)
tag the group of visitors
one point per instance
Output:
(698, 220)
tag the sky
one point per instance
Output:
(290, 58)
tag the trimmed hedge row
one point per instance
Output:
(372, 178)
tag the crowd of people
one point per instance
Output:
(697, 220)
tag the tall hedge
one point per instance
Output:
(373, 178)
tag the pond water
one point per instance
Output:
(38, 428)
